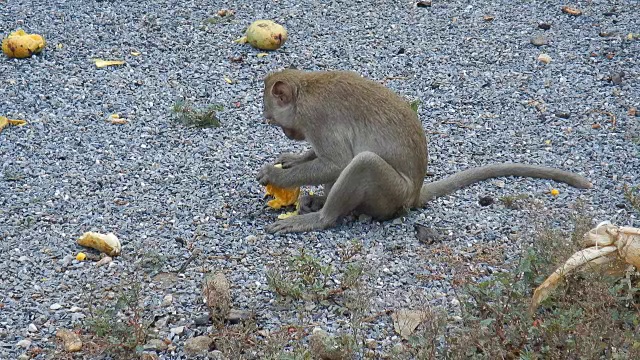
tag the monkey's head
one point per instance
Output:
(279, 104)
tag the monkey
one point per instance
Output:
(368, 150)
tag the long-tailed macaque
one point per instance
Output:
(368, 150)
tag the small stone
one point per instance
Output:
(251, 239)
(424, 4)
(539, 41)
(544, 58)
(155, 344)
(216, 355)
(149, 356)
(544, 26)
(606, 33)
(235, 316)
(371, 343)
(75, 309)
(202, 320)
(485, 201)
(616, 78)
(197, 345)
(427, 235)
(104, 261)
(23, 258)
(167, 300)
(24, 357)
(55, 306)
(24, 343)
(563, 114)
(177, 330)
(32, 328)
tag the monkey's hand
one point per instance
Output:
(269, 174)
(300, 223)
(289, 159)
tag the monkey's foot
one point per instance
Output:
(300, 223)
(310, 204)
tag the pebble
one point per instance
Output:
(55, 306)
(32, 328)
(24, 343)
(197, 345)
(539, 41)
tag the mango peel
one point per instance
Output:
(108, 244)
(21, 45)
(282, 196)
(265, 35)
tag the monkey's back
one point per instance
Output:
(362, 115)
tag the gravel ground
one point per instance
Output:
(168, 190)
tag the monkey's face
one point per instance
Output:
(279, 108)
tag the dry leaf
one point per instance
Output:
(104, 63)
(406, 321)
(595, 126)
(488, 18)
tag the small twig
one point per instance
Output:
(193, 256)
(389, 78)
(376, 315)
(612, 117)
(459, 123)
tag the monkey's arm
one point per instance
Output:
(313, 172)
(289, 159)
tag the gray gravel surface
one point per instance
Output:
(168, 190)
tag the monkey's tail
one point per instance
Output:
(464, 178)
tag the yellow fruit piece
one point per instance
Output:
(266, 35)
(4, 122)
(21, 45)
(555, 192)
(108, 244)
(282, 197)
(288, 214)
(136, 53)
(104, 63)
(81, 256)
(262, 55)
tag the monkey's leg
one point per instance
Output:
(368, 184)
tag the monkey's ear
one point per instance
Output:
(283, 92)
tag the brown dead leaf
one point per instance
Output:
(596, 126)
(488, 18)
(406, 321)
